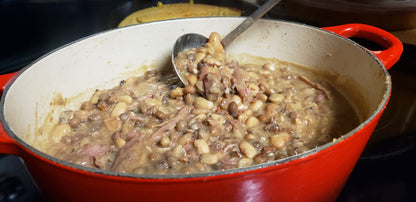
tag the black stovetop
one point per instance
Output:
(385, 171)
(386, 168)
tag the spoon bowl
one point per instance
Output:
(186, 41)
(193, 40)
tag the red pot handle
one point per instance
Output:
(4, 79)
(7, 144)
(393, 46)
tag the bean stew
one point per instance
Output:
(231, 115)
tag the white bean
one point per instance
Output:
(59, 131)
(244, 116)
(120, 108)
(177, 92)
(236, 99)
(252, 121)
(209, 159)
(280, 140)
(219, 118)
(200, 56)
(120, 142)
(248, 149)
(125, 98)
(254, 89)
(201, 146)
(198, 111)
(244, 162)
(177, 151)
(192, 79)
(82, 114)
(150, 102)
(112, 124)
(274, 98)
(165, 142)
(215, 40)
(203, 103)
(256, 105)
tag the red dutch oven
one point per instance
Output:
(74, 71)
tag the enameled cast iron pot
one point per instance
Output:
(102, 60)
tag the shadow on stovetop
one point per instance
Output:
(386, 168)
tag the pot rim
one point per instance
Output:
(229, 172)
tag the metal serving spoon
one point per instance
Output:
(192, 40)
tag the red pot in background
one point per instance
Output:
(102, 60)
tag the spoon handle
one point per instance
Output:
(248, 22)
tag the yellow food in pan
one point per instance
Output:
(178, 10)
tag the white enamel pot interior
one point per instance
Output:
(73, 72)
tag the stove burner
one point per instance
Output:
(11, 188)
(16, 185)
